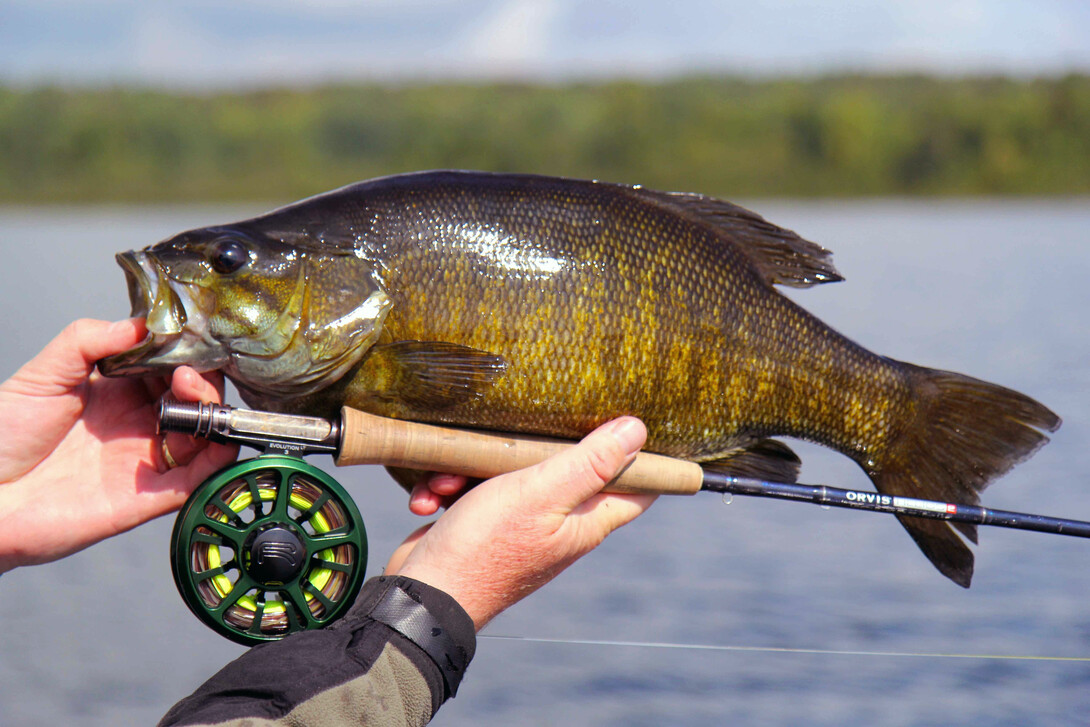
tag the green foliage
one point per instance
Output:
(833, 136)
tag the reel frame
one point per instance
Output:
(267, 547)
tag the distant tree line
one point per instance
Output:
(841, 136)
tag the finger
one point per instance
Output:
(397, 558)
(186, 384)
(172, 487)
(96, 339)
(605, 512)
(567, 479)
(422, 501)
(446, 485)
(69, 358)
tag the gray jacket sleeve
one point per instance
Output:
(396, 656)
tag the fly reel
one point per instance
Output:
(268, 547)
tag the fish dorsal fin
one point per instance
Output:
(779, 255)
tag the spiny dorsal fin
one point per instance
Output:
(780, 255)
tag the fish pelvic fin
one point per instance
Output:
(779, 255)
(766, 459)
(965, 433)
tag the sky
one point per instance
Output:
(216, 43)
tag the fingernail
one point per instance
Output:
(630, 432)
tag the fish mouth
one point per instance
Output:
(167, 308)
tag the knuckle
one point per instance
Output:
(599, 464)
(78, 329)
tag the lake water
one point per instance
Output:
(995, 288)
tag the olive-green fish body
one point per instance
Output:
(603, 300)
(543, 305)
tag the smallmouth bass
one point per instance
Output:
(547, 306)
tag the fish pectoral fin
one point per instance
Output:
(779, 255)
(432, 374)
(765, 459)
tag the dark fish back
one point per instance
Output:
(607, 300)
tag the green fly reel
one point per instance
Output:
(268, 547)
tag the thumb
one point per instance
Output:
(97, 339)
(583, 470)
(69, 358)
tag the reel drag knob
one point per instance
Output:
(268, 547)
(274, 555)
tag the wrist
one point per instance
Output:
(472, 600)
(429, 618)
(13, 538)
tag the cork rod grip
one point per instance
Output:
(369, 439)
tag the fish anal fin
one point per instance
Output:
(779, 255)
(765, 459)
(966, 529)
(431, 375)
(943, 547)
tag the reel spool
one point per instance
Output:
(268, 547)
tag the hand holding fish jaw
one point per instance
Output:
(512, 534)
(79, 457)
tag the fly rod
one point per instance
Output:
(361, 438)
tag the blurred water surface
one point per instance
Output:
(994, 288)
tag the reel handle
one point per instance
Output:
(370, 439)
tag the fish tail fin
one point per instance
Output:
(964, 434)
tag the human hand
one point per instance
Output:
(79, 457)
(512, 534)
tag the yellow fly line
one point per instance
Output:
(319, 577)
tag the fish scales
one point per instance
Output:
(579, 260)
(548, 306)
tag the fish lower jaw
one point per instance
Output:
(159, 353)
(143, 358)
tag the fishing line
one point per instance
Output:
(780, 649)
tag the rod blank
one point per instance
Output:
(875, 502)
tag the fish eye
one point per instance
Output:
(227, 256)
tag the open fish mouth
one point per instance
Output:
(165, 308)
